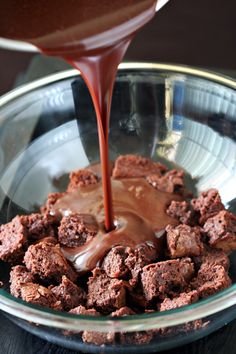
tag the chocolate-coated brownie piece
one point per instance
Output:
(39, 226)
(19, 275)
(184, 240)
(181, 211)
(81, 178)
(182, 300)
(221, 230)
(77, 229)
(212, 256)
(69, 294)
(207, 204)
(47, 261)
(39, 295)
(171, 182)
(104, 293)
(133, 166)
(13, 238)
(167, 278)
(210, 280)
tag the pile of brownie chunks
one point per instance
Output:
(193, 264)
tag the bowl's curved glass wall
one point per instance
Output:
(49, 128)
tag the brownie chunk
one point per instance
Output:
(124, 262)
(114, 262)
(104, 293)
(130, 166)
(184, 240)
(81, 310)
(170, 182)
(47, 261)
(76, 229)
(212, 257)
(168, 278)
(19, 275)
(182, 300)
(210, 280)
(181, 211)
(132, 337)
(138, 258)
(69, 294)
(39, 295)
(221, 230)
(81, 178)
(97, 338)
(38, 225)
(13, 237)
(207, 204)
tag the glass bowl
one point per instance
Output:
(174, 114)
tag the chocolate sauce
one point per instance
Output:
(140, 218)
(91, 35)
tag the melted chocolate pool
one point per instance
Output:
(139, 213)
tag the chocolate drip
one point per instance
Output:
(93, 37)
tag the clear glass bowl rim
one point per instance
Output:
(47, 317)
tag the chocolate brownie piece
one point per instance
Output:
(13, 238)
(210, 280)
(181, 211)
(170, 182)
(76, 229)
(168, 278)
(39, 295)
(47, 261)
(142, 337)
(138, 258)
(104, 293)
(81, 178)
(97, 338)
(134, 166)
(122, 262)
(81, 310)
(184, 240)
(38, 225)
(221, 230)
(182, 300)
(19, 275)
(212, 257)
(207, 204)
(114, 262)
(69, 294)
